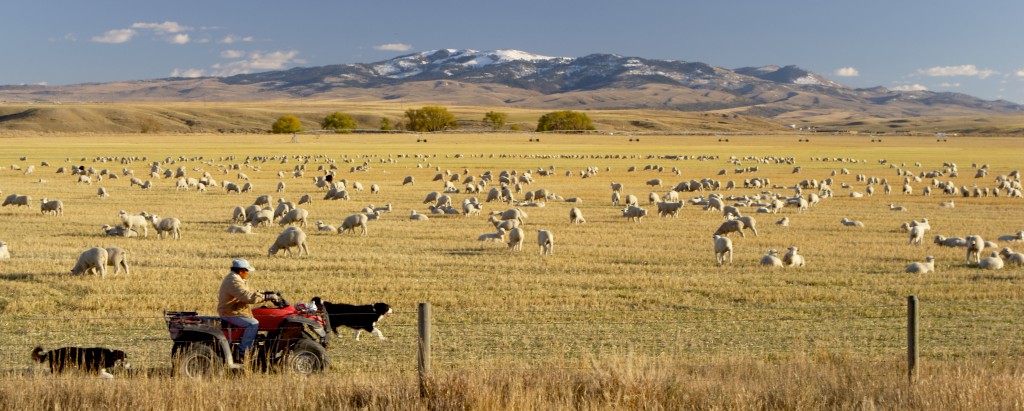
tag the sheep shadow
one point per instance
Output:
(994, 277)
(468, 252)
(18, 277)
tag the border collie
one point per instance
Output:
(358, 317)
(95, 360)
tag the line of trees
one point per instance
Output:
(437, 118)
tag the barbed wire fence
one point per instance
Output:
(875, 335)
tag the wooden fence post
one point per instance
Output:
(424, 345)
(912, 329)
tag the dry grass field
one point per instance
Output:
(623, 315)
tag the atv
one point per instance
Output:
(290, 338)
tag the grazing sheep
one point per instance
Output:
(993, 262)
(133, 223)
(975, 245)
(305, 199)
(5, 252)
(262, 217)
(498, 237)
(792, 259)
(515, 239)
(731, 226)
(1012, 238)
(280, 186)
(546, 241)
(723, 246)
(922, 268)
(55, 207)
(851, 223)
(102, 193)
(916, 235)
(654, 182)
(669, 208)
(409, 180)
(634, 213)
(749, 223)
(238, 214)
(241, 229)
(166, 225)
(631, 200)
(374, 189)
(942, 241)
(771, 259)
(514, 214)
(1012, 258)
(351, 222)
(91, 261)
(290, 237)
(508, 225)
(118, 258)
(414, 216)
(297, 215)
(784, 221)
(617, 187)
(17, 200)
(576, 216)
(653, 198)
(616, 198)
(320, 226)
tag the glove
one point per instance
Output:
(271, 296)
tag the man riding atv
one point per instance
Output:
(233, 302)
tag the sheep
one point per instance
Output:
(91, 261)
(297, 215)
(102, 193)
(669, 208)
(290, 237)
(723, 246)
(263, 200)
(616, 187)
(431, 197)
(238, 214)
(133, 223)
(414, 216)
(408, 180)
(975, 245)
(118, 231)
(321, 227)
(653, 198)
(730, 227)
(894, 207)
(654, 182)
(922, 268)
(1011, 257)
(497, 237)
(993, 262)
(351, 222)
(1012, 238)
(56, 207)
(546, 241)
(631, 200)
(771, 259)
(118, 258)
(616, 198)
(784, 221)
(242, 229)
(515, 239)
(576, 216)
(514, 214)
(5, 252)
(916, 235)
(17, 200)
(942, 241)
(283, 207)
(508, 225)
(792, 259)
(947, 204)
(374, 189)
(166, 225)
(634, 213)
(305, 199)
(749, 223)
(280, 186)
(851, 223)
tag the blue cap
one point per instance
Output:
(242, 263)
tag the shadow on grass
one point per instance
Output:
(994, 277)
(465, 251)
(18, 277)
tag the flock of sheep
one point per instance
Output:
(508, 189)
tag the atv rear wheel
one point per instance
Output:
(306, 357)
(196, 360)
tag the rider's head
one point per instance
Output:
(241, 267)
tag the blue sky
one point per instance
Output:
(939, 45)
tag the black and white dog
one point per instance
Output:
(358, 317)
(95, 360)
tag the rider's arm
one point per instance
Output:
(240, 292)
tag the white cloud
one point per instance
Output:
(910, 87)
(964, 70)
(847, 72)
(70, 37)
(179, 38)
(1019, 73)
(392, 47)
(254, 61)
(167, 27)
(232, 54)
(232, 39)
(949, 85)
(117, 36)
(188, 73)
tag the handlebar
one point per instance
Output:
(280, 302)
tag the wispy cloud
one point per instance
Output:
(255, 61)
(232, 54)
(116, 36)
(188, 73)
(180, 38)
(392, 47)
(910, 87)
(968, 70)
(232, 39)
(1019, 73)
(847, 72)
(949, 85)
(167, 27)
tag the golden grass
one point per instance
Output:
(614, 290)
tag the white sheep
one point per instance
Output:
(414, 216)
(102, 193)
(169, 225)
(320, 226)
(133, 223)
(5, 252)
(262, 217)
(1013, 237)
(515, 239)
(91, 261)
(922, 268)
(634, 213)
(784, 221)
(731, 226)
(993, 262)
(942, 241)
(771, 259)
(297, 215)
(408, 180)
(55, 207)
(497, 237)
(290, 237)
(975, 245)
(17, 200)
(118, 258)
(723, 246)
(546, 241)
(792, 259)
(616, 198)
(748, 223)
(351, 222)
(669, 208)
(280, 186)
(916, 235)
(894, 207)
(305, 199)
(851, 223)
(242, 229)
(374, 189)
(1012, 258)
(576, 216)
(238, 214)
(631, 200)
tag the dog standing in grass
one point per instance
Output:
(95, 360)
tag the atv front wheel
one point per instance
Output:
(306, 357)
(196, 360)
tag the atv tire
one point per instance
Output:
(306, 357)
(196, 360)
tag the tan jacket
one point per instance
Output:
(234, 297)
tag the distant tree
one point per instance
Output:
(564, 121)
(515, 127)
(149, 125)
(430, 118)
(338, 122)
(385, 124)
(495, 119)
(286, 124)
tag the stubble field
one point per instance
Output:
(628, 314)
